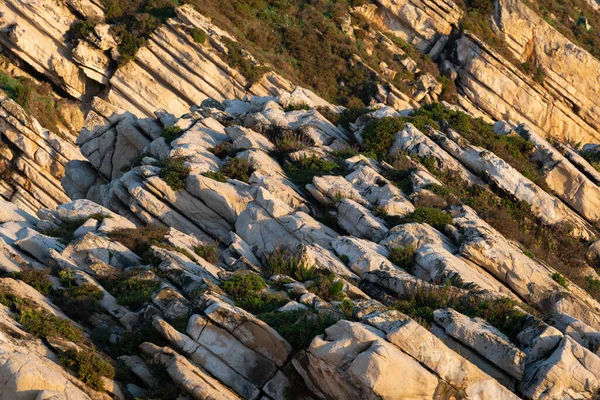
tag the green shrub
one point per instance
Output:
(43, 325)
(238, 168)
(36, 278)
(197, 34)
(236, 59)
(347, 307)
(378, 134)
(561, 280)
(171, 133)
(302, 171)
(296, 107)
(80, 30)
(66, 277)
(88, 366)
(36, 99)
(86, 290)
(243, 284)
(420, 303)
(132, 292)
(297, 327)
(326, 286)
(287, 262)
(140, 240)
(433, 216)
(404, 257)
(350, 115)
(208, 252)
(223, 150)
(174, 172)
(592, 286)
(246, 289)
(217, 176)
(344, 258)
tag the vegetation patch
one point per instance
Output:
(36, 278)
(36, 99)
(88, 367)
(561, 280)
(140, 240)
(432, 216)
(404, 257)
(378, 134)
(420, 303)
(303, 170)
(238, 168)
(283, 261)
(171, 133)
(247, 291)
(174, 172)
(297, 327)
(327, 286)
(133, 291)
(208, 252)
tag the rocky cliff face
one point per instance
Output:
(205, 236)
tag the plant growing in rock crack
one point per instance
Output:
(327, 286)
(88, 366)
(238, 168)
(561, 280)
(297, 327)
(404, 257)
(284, 261)
(303, 170)
(174, 172)
(170, 133)
(247, 291)
(208, 252)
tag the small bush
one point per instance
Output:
(80, 30)
(236, 59)
(378, 134)
(197, 34)
(561, 280)
(592, 286)
(350, 115)
(64, 231)
(208, 252)
(421, 302)
(132, 292)
(36, 99)
(302, 171)
(347, 307)
(217, 176)
(223, 150)
(296, 107)
(36, 278)
(174, 172)
(433, 216)
(86, 290)
(88, 366)
(404, 257)
(43, 325)
(297, 327)
(344, 258)
(326, 286)
(170, 133)
(66, 277)
(139, 240)
(287, 262)
(242, 284)
(246, 289)
(238, 168)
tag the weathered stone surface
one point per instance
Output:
(353, 358)
(419, 343)
(571, 371)
(487, 340)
